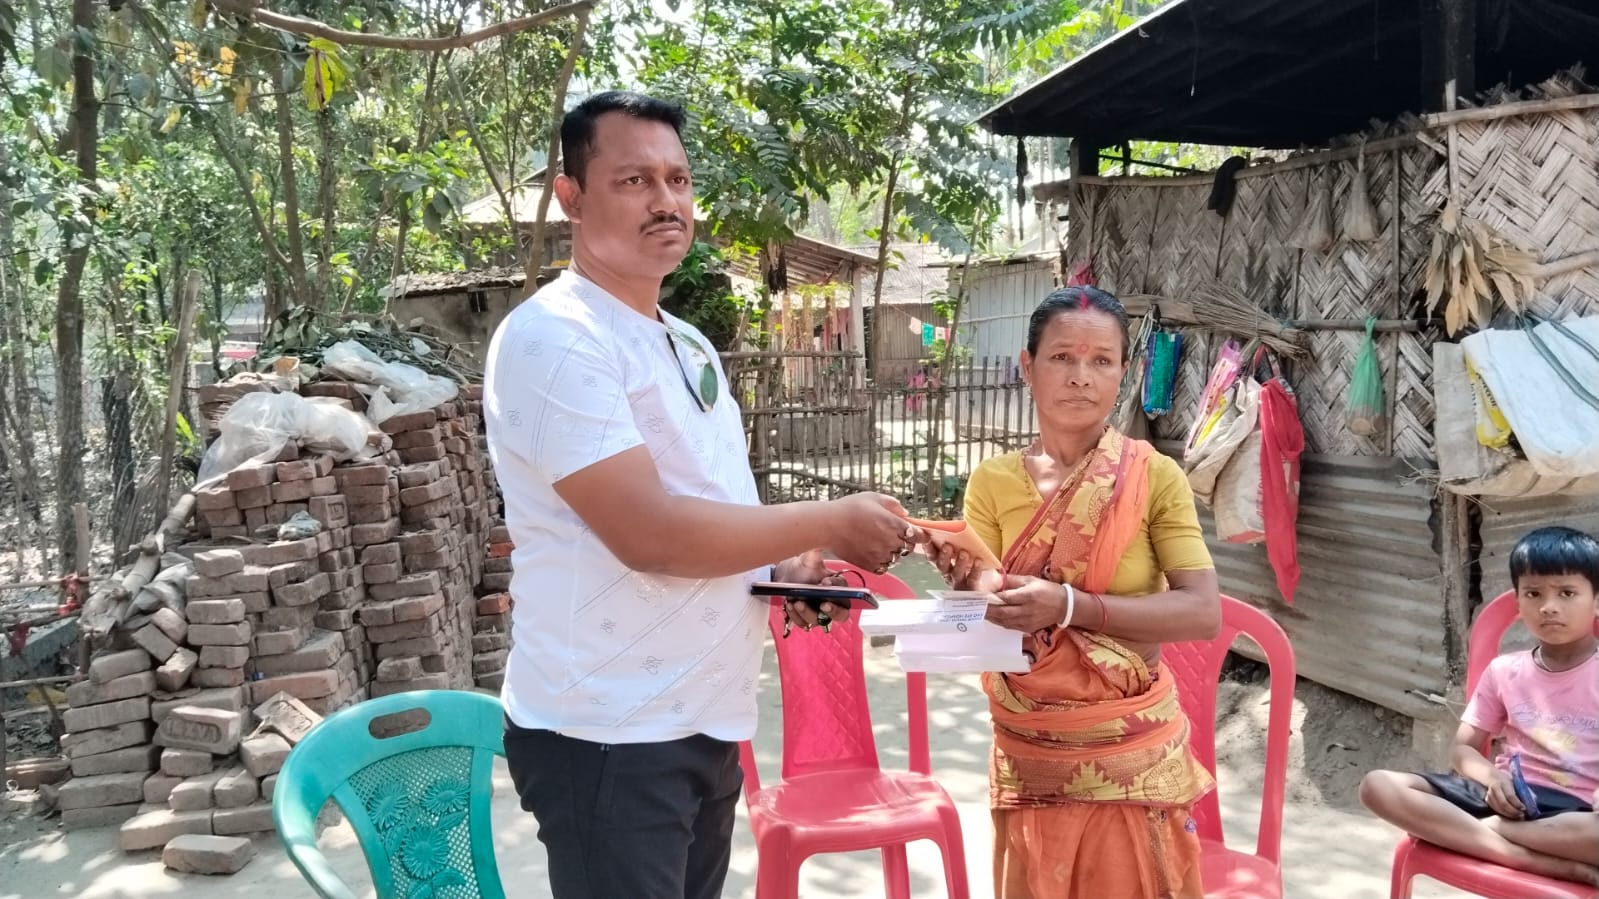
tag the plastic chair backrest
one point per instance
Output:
(1197, 668)
(418, 800)
(827, 723)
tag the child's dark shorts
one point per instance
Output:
(1472, 797)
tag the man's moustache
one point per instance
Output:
(668, 220)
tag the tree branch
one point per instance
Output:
(312, 28)
(472, 131)
(535, 254)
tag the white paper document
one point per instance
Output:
(947, 612)
(983, 647)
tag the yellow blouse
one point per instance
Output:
(1001, 499)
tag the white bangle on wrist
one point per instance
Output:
(1071, 605)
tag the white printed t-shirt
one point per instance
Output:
(601, 652)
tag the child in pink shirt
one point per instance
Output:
(1543, 708)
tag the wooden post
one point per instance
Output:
(1082, 161)
(1448, 52)
(80, 519)
(177, 381)
(1460, 600)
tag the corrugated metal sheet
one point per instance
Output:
(999, 299)
(1504, 521)
(1368, 618)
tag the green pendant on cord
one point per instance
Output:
(709, 388)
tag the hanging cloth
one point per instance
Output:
(1282, 445)
(1162, 357)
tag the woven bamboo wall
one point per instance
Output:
(1536, 179)
(1154, 235)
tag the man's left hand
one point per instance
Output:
(808, 568)
(1030, 604)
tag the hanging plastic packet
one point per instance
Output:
(1493, 430)
(1365, 409)
(1213, 402)
(1161, 361)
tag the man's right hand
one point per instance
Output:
(869, 530)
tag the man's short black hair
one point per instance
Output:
(1555, 551)
(577, 128)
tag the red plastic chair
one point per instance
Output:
(833, 796)
(1228, 873)
(1413, 858)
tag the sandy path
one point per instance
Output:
(1331, 851)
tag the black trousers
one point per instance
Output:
(629, 820)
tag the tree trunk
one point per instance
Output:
(83, 124)
(298, 288)
(327, 201)
(398, 268)
(885, 233)
(535, 250)
(469, 121)
(177, 382)
(217, 318)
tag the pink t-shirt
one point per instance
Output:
(1552, 719)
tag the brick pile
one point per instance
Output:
(491, 631)
(399, 584)
(107, 740)
(266, 615)
(218, 765)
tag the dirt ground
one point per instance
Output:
(1332, 849)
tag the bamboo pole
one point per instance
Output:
(177, 381)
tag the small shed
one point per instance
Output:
(465, 307)
(1391, 566)
(485, 217)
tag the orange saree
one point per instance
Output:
(1091, 780)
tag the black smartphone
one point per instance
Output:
(814, 595)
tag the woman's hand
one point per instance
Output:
(1030, 604)
(959, 569)
(808, 568)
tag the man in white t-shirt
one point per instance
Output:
(638, 531)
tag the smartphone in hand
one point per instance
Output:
(814, 595)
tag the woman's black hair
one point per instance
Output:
(1078, 299)
(1554, 551)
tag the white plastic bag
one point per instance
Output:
(1542, 397)
(1238, 502)
(406, 387)
(259, 425)
(1216, 448)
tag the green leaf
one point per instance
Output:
(324, 73)
(54, 65)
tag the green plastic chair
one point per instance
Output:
(419, 801)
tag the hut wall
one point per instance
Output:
(1155, 235)
(1376, 630)
(902, 349)
(1530, 170)
(1000, 297)
(452, 314)
(1535, 178)
(1379, 635)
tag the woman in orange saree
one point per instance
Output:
(1091, 777)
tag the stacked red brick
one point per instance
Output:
(269, 613)
(380, 599)
(219, 761)
(491, 639)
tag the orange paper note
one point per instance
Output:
(960, 536)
